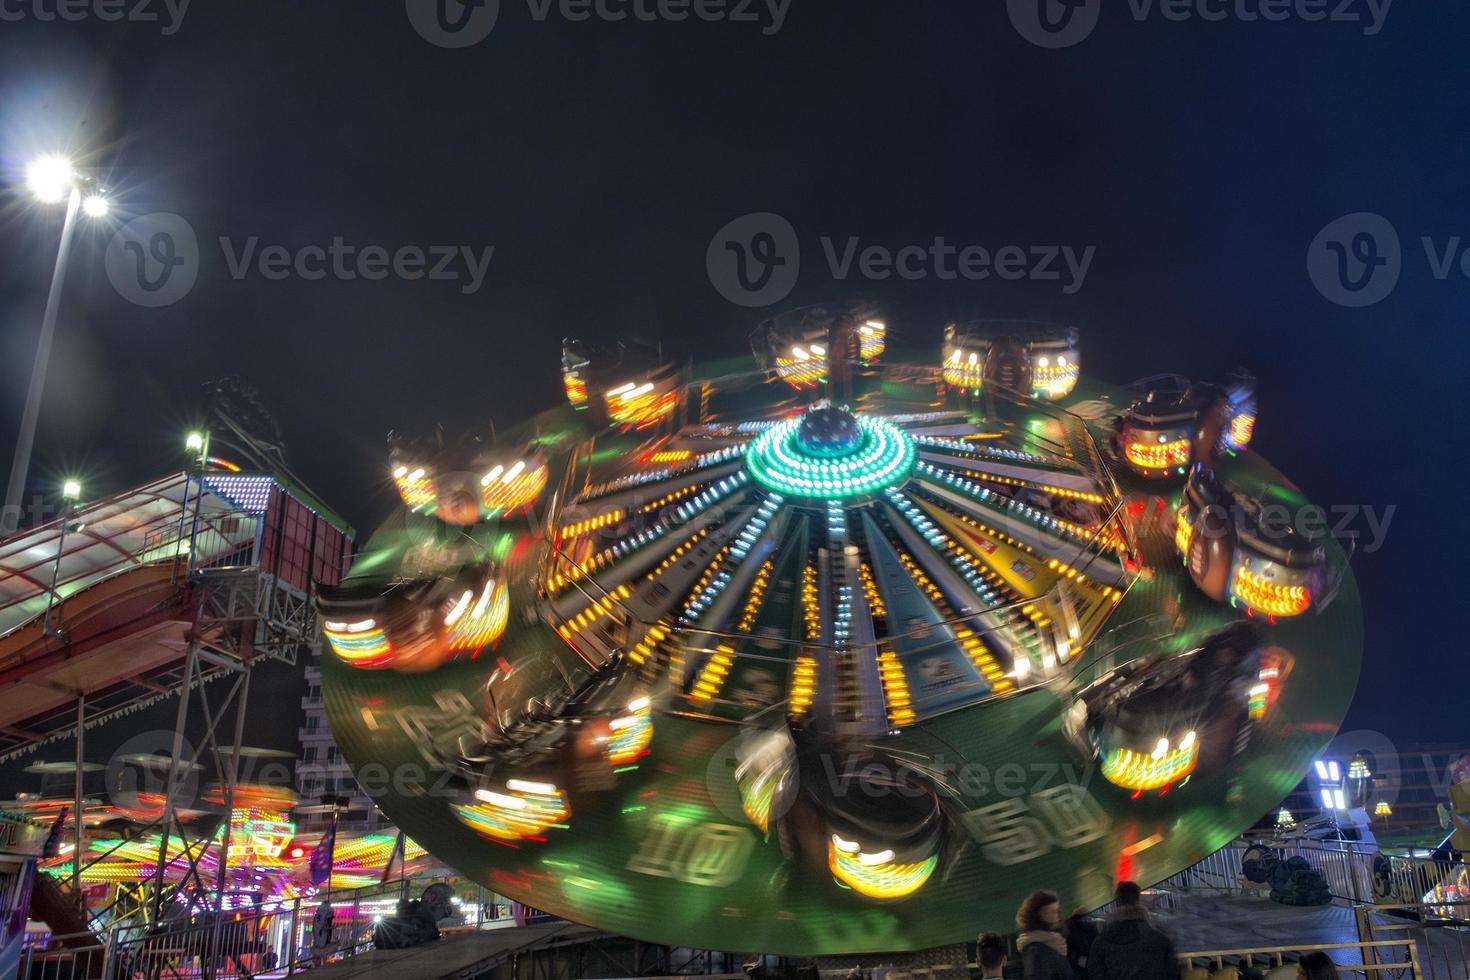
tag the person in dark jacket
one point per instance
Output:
(1043, 949)
(1129, 947)
(1081, 933)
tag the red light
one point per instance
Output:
(297, 852)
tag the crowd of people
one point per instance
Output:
(1127, 946)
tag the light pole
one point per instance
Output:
(51, 180)
(71, 493)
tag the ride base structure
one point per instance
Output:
(843, 655)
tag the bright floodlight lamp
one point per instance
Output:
(71, 491)
(194, 443)
(50, 178)
(96, 205)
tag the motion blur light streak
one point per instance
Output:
(875, 875)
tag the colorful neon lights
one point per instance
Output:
(361, 644)
(1154, 770)
(895, 689)
(1271, 598)
(872, 340)
(508, 490)
(1054, 378)
(876, 875)
(964, 369)
(884, 456)
(525, 809)
(1157, 456)
(471, 627)
(1183, 531)
(803, 367)
(634, 405)
(415, 488)
(632, 733)
(1242, 427)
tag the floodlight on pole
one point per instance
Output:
(51, 179)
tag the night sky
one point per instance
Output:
(1200, 158)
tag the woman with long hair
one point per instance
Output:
(1043, 948)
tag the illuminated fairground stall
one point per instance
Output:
(270, 873)
(21, 843)
(824, 654)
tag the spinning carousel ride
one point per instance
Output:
(839, 659)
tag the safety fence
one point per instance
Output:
(1395, 958)
(270, 939)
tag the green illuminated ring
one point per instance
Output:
(884, 458)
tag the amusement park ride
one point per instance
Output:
(827, 654)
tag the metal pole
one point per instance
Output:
(76, 855)
(232, 774)
(10, 516)
(191, 665)
(66, 509)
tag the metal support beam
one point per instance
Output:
(171, 779)
(232, 775)
(76, 855)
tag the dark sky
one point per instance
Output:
(599, 159)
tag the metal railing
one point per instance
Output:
(1395, 957)
(272, 939)
(1438, 932)
(1355, 873)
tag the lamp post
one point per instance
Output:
(51, 180)
(71, 493)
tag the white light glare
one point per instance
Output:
(50, 178)
(96, 206)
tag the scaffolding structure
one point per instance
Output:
(176, 589)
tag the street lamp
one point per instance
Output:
(51, 179)
(71, 495)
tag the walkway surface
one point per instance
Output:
(456, 954)
(1216, 922)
